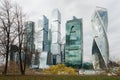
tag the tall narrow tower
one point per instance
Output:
(42, 34)
(56, 36)
(100, 47)
(42, 42)
(29, 35)
(29, 39)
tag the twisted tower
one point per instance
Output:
(100, 47)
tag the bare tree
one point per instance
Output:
(7, 29)
(11, 28)
(20, 30)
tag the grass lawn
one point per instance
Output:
(57, 77)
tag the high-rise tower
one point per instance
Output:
(74, 43)
(29, 40)
(100, 47)
(42, 34)
(42, 42)
(56, 36)
(29, 36)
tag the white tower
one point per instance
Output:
(42, 41)
(56, 36)
(42, 34)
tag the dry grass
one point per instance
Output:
(58, 77)
(14, 74)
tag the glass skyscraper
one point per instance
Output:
(29, 36)
(56, 36)
(42, 34)
(100, 47)
(29, 40)
(42, 44)
(74, 43)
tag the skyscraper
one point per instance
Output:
(29, 40)
(29, 36)
(42, 34)
(42, 44)
(63, 50)
(100, 47)
(56, 36)
(74, 43)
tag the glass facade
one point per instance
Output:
(100, 47)
(29, 35)
(56, 36)
(42, 34)
(55, 27)
(74, 43)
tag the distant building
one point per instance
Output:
(14, 55)
(56, 36)
(49, 40)
(42, 43)
(42, 34)
(74, 43)
(29, 40)
(100, 47)
(49, 61)
(63, 50)
(29, 36)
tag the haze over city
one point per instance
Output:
(81, 9)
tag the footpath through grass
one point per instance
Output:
(57, 77)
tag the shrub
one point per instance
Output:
(118, 72)
(60, 69)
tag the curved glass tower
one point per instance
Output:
(100, 47)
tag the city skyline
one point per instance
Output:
(81, 9)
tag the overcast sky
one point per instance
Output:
(81, 9)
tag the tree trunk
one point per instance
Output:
(6, 65)
(20, 58)
(7, 54)
(25, 62)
